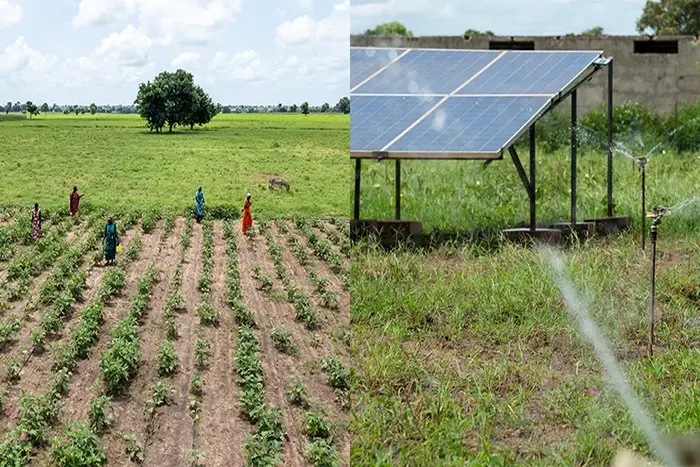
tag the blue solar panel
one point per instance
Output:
(427, 72)
(530, 73)
(365, 62)
(376, 121)
(469, 124)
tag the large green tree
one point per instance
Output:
(32, 109)
(203, 109)
(304, 108)
(393, 28)
(670, 17)
(174, 99)
(343, 105)
(8, 108)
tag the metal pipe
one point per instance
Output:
(398, 190)
(533, 191)
(656, 214)
(643, 167)
(573, 160)
(654, 227)
(610, 138)
(358, 168)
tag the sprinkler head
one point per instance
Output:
(642, 161)
(657, 212)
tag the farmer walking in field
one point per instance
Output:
(247, 217)
(199, 204)
(74, 201)
(36, 222)
(111, 241)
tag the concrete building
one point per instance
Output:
(663, 72)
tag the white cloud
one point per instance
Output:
(306, 4)
(304, 29)
(19, 57)
(243, 66)
(172, 21)
(184, 59)
(297, 31)
(93, 12)
(10, 14)
(292, 61)
(128, 48)
(397, 7)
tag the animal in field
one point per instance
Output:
(276, 182)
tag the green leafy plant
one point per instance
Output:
(265, 282)
(161, 394)
(98, 410)
(338, 375)
(298, 395)
(208, 315)
(202, 352)
(133, 449)
(167, 358)
(78, 447)
(283, 341)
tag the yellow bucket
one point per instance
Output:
(119, 248)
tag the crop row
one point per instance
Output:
(264, 447)
(337, 236)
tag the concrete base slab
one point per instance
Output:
(610, 225)
(525, 235)
(582, 229)
(361, 228)
(389, 233)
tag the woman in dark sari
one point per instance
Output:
(36, 222)
(111, 241)
(199, 204)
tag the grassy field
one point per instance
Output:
(462, 196)
(467, 356)
(121, 166)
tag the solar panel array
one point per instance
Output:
(433, 103)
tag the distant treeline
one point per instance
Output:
(343, 106)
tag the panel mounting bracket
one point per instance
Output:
(379, 155)
(602, 61)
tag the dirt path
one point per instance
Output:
(36, 375)
(173, 431)
(221, 431)
(129, 409)
(279, 369)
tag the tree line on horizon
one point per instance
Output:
(658, 18)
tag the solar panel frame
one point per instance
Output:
(554, 98)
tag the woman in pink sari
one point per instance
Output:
(36, 222)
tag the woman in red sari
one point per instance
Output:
(247, 217)
(74, 201)
(36, 222)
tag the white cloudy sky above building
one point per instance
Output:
(241, 51)
(504, 17)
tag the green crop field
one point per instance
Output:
(119, 165)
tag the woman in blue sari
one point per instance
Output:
(199, 204)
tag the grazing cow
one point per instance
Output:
(278, 182)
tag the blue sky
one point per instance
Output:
(241, 51)
(504, 17)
